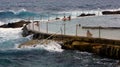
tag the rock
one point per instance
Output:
(25, 31)
(82, 46)
(30, 43)
(57, 18)
(110, 12)
(35, 43)
(96, 48)
(79, 43)
(76, 43)
(15, 25)
(83, 15)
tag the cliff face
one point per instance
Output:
(15, 24)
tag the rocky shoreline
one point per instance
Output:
(110, 12)
(15, 24)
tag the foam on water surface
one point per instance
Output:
(46, 45)
(9, 37)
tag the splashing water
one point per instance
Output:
(10, 36)
(46, 45)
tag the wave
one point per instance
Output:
(1, 23)
(10, 39)
(50, 45)
(11, 36)
(16, 14)
(25, 13)
(97, 12)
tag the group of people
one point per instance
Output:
(66, 18)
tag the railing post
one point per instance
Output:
(41, 20)
(33, 25)
(48, 16)
(39, 26)
(47, 27)
(76, 29)
(29, 26)
(64, 28)
(29, 23)
(61, 30)
(99, 32)
(98, 12)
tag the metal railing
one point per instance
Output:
(71, 28)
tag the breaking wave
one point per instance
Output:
(9, 37)
(12, 14)
(23, 13)
(48, 45)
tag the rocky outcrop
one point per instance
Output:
(15, 24)
(31, 43)
(110, 12)
(104, 50)
(57, 18)
(83, 15)
(25, 31)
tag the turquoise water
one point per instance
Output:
(23, 9)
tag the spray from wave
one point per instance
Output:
(20, 14)
(48, 45)
(10, 36)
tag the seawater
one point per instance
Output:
(53, 55)
(43, 58)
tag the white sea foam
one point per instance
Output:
(51, 46)
(14, 20)
(10, 38)
(97, 12)
(1, 23)
(18, 11)
(5, 21)
(10, 33)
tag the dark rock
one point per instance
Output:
(83, 15)
(15, 24)
(25, 31)
(57, 18)
(110, 12)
